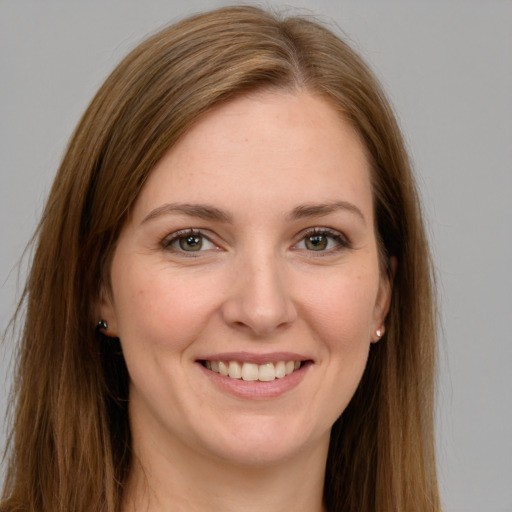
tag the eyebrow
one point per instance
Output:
(319, 210)
(207, 212)
(201, 211)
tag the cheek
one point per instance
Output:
(339, 313)
(161, 308)
(342, 310)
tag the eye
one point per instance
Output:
(322, 240)
(188, 241)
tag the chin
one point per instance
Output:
(264, 441)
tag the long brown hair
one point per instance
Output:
(70, 441)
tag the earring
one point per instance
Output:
(379, 332)
(102, 325)
(102, 328)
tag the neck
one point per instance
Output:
(189, 482)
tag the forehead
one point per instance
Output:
(276, 146)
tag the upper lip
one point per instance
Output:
(251, 357)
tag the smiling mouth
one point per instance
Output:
(253, 372)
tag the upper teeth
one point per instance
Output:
(251, 371)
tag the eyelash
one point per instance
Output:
(168, 241)
(341, 241)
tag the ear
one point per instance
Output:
(106, 312)
(383, 301)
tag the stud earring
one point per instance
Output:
(379, 332)
(102, 327)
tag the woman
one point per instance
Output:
(230, 304)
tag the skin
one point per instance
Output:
(258, 286)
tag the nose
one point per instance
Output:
(259, 301)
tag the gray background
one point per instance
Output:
(447, 67)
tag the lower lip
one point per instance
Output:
(256, 390)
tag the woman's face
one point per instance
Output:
(250, 251)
